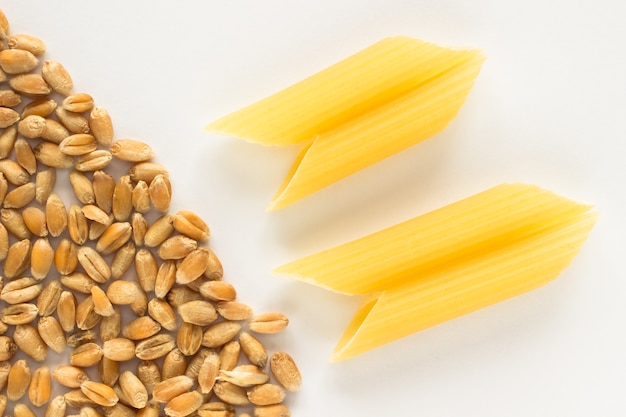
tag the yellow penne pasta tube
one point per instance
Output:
(470, 254)
(465, 228)
(464, 287)
(380, 101)
(376, 75)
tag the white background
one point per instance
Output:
(548, 108)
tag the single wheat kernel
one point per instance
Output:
(77, 225)
(119, 349)
(74, 122)
(55, 132)
(94, 264)
(7, 141)
(189, 338)
(21, 290)
(285, 371)
(41, 258)
(56, 407)
(40, 388)
(192, 266)
(149, 374)
(268, 323)
(101, 303)
(184, 404)
(8, 117)
(35, 221)
(110, 326)
(220, 333)
(174, 364)
(29, 341)
(108, 371)
(101, 125)
(218, 291)
(165, 279)
(86, 316)
(141, 328)
(13, 172)
(70, 376)
(82, 187)
(190, 224)
(17, 314)
(122, 260)
(9, 99)
(18, 258)
(162, 312)
(146, 171)
(56, 215)
(229, 355)
(160, 192)
(44, 183)
(49, 298)
(131, 150)
(57, 77)
(170, 388)
(19, 379)
(78, 144)
(30, 84)
(78, 282)
(66, 257)
(133, 389)
(17, 61)
(78, 103)
(146, 268)
(159, 231)
(99, 393)
(20, 196)
(230, 393)
(208, 372)
(214, 270)
(141, 198)
(28, 43)
(50, 155)
(114, 237)
(253, 349)
(176, 247)
(66, 311)
(122, 198)
(52, 333)
(122, 292)
(93, 161)
(42, 107)
(244, 376)
(234, 310)
(200, 313)
(155, 347)
(85, 355)
(25, 156)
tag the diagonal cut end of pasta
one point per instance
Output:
(373, 104)
(471, 254)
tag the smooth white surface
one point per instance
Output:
(548, 108)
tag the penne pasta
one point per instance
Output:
(382, 100)
(473, 253)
